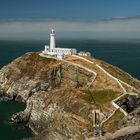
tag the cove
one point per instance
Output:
(8, 130)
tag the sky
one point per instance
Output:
(93, 19)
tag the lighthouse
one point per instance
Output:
(52, 51)
(52, 40)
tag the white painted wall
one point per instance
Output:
(47, 48)
(52, 40)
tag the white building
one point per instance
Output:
(57, 52)
(82, 53)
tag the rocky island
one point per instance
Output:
(61, 95)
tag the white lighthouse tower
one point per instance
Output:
(52, 40)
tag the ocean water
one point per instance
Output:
(124, 55)
(8, 130)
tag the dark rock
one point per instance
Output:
(129, 103)
(19, 117)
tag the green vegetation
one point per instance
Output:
(112, 124)
(100, 96)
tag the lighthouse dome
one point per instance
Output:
(52, 31)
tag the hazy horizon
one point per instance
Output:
(91, 19)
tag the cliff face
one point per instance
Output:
(27, 75)
(60, 95)
(60, 114)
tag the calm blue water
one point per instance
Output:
(125, 56)
(10, 131)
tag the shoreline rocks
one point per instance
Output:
(20, 117)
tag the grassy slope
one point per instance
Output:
(120, 74)
(100, 96)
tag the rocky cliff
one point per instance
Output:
(60, 95)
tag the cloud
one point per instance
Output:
(116, 27)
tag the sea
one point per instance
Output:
(125, 55)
